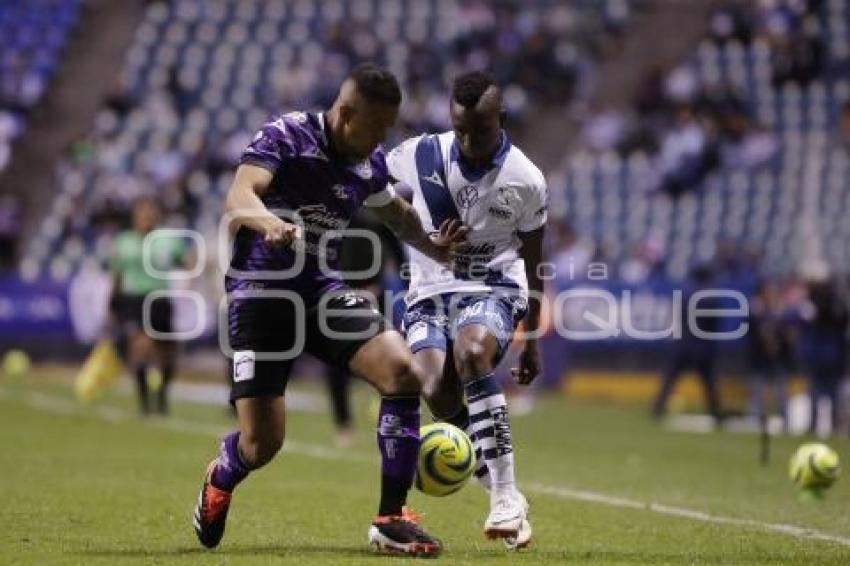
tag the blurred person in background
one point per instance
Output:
(152, 360)
(688, 153)
(692, 352)
(10, 225)
(841, 136)
(823, 337)
(770, 351)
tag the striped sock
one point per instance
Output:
(461, 420)
(488, 420)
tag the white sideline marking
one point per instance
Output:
(601, 498)
(59, 405)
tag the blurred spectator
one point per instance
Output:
(841, 135)
(730, 23)
(747, 148)
(181, 91)
(737, 268)
(119, 99)
(823, 338)
(681, 85)
(770, 351)
(797, 57)
(10, 128)
(692, 351)
(20, 85)
(688, 153)
(604, 129)
(10, 225)
(650, 98)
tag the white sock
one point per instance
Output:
(491, 430)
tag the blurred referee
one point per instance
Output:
(152, 360)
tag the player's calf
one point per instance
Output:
(257, 450)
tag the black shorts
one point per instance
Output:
(261, 330)
(129, 310)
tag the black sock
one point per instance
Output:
(142, 386)
(162, 394)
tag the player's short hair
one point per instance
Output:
(468, 88)
(376, 84)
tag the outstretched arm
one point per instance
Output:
(402, 219)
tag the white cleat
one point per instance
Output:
(508, 510)
(523, 538)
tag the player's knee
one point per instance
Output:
(401, 376)
(472, 359)
(259, 449)
(431, 386)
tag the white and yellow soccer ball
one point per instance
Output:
(814, 466)
(446, 459)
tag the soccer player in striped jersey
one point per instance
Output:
(461, 318)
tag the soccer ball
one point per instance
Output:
(16, 364)
(446, 459)
(814, 466)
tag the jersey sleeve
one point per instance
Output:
(273, 144)
(400, 161)
(381, 191)
(535, 207)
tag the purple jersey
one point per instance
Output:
(323, 188)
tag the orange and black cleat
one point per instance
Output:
(402, 535)
(211, 511)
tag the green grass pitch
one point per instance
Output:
(97, 485)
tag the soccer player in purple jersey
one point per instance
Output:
(317, 169)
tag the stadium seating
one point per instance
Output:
(32, 34)
(790, 210)
(207, 73)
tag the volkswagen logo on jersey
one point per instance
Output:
(467, 197)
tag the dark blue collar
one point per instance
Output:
(472, 173)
